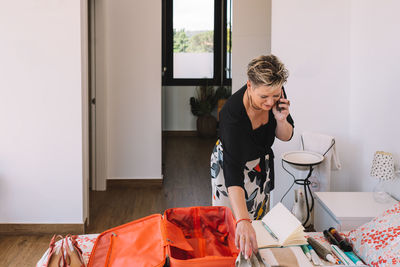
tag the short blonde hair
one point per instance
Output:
(267, 70)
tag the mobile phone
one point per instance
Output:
(278, 108)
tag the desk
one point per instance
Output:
(346, 210)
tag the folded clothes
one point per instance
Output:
(286, 256)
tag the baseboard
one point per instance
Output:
(134, 183)
(35, 229)
(179, 133)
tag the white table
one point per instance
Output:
(346, 210)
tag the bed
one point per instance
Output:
(377, 242)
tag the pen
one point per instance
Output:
(269, 231)
(321, 250)
(342, 242)
(340, 254)
(339, 262)
(315, 259)
(354, 258)
(330, 238)
(306, 251)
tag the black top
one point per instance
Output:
(241, 143)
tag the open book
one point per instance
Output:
(279, 227)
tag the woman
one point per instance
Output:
(242, 167)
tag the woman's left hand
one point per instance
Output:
(284, 109)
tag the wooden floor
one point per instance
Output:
(186, 183)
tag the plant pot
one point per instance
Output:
(206, 126)
(221, 103)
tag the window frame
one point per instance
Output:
(220, 27)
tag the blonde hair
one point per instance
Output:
(267, 70)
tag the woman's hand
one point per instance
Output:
(245, 238)
(284, 130)
(283, 104)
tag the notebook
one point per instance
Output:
(282, 224)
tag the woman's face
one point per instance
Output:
(264, 97)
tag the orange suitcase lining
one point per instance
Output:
(210, 231)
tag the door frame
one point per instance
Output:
(98, 97)
(85, 109)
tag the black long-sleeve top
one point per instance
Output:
(241, 143)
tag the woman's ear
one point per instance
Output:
(248, 84)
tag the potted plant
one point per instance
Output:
(201, 106)
(222, 94)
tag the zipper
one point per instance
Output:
(166, 241)
(112, 237)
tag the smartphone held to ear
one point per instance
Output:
(283, 96)
(278, 108)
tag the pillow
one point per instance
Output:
(378, 242)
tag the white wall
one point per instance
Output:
(132, 52)
(251, 36)
(344, 75)
(176, 108)
(375, 84)
(312, 38)
(40, 112)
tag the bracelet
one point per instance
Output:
(245, 219)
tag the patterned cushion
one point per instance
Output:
(378, 241)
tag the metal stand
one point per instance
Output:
(306, 183)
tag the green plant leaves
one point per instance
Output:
(206, 99)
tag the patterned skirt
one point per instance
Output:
(258, 182)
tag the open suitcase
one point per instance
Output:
(194, 236)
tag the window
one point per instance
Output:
(196, 42)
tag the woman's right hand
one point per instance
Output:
(245, 238)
